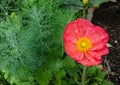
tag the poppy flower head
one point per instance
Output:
(85, 42)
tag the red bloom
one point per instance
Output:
(85, 42)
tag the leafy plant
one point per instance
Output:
(96, 76)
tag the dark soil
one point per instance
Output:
(108, 16)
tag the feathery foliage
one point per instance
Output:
(31, 39)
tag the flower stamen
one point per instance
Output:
(83, 44)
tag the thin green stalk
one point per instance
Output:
(84, 75)
(84, 14)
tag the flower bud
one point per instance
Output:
(85, 1)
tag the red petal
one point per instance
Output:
(97, 54)
(98, 35)
(84, 26)
(93, 58)
(72, 51)
(76, 29)
(103, 51)
(69, 35)
(100, 45)
(86, 62)
(89, 57)
(79, 57)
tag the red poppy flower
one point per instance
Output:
(85, 42)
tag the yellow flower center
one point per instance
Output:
(83, 44)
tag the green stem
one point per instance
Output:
(84, 13)
(84, 76)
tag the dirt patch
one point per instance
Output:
(108, 16)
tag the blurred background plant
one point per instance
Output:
(31, 46)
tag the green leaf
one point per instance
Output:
(93, 3)
(3, 45)
(59, 75)
(95, 84)
(56, 65)
(28, 3)
(91, 70)
(69, 62)
(100, 76)
(106, 82)
(73, 5)
(43, 76)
